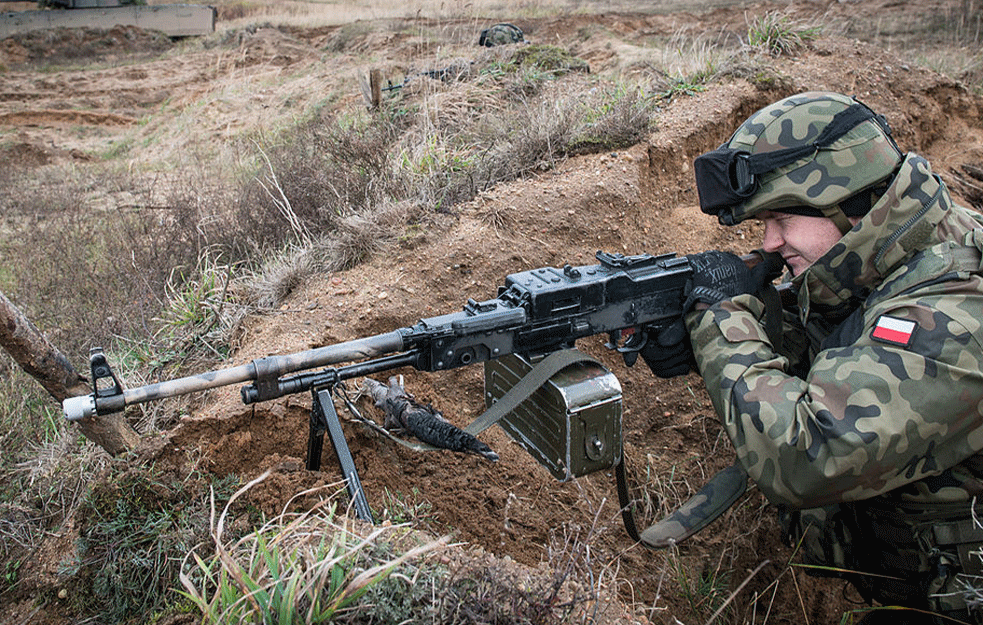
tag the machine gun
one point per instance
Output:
(536, 314)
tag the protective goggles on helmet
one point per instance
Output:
(726, 177)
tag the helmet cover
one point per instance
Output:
(824, 175)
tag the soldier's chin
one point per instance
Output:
(796, 264)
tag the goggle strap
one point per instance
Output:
(842, 123)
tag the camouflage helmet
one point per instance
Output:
(812, 153)
(500, 35)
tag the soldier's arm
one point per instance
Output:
(866, 418)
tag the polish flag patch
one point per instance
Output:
(893, 330)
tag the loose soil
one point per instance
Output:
(201, 95)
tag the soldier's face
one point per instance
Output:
(801, 240)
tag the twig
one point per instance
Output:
(798, 593)
(282, 203)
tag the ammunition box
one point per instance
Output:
(571, 425)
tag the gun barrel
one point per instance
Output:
(76, 408)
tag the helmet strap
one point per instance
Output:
(836, 214)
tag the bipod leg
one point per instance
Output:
(324, 418)
(315, 436)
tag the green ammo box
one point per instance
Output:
(571, 425)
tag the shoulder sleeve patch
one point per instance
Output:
(893, 330)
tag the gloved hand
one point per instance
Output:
(717, 276)
(721, 275)
(668, 352)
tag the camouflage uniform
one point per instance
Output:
(861, 435)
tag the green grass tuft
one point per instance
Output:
(779, 34)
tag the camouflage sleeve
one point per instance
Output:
(866, 419)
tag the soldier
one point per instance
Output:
(858, 413)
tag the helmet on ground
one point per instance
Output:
(814, 153)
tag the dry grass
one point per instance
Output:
(319, 565)
(238, 13)
(360, 180)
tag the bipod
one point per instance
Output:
(324, 418)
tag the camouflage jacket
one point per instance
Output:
(846, 416)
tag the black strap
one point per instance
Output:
(773, 318)
(624, 499)
(842, 123)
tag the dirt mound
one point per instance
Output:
(77, 45)
(638, 200)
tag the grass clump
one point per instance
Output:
(307, 567)
(552, 60)
(201, 313)
(319, 566)
(704, 590)
(135, 528)
(779, 34)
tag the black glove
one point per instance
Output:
(668, 352)
(717, 276)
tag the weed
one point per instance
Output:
(530, 68)
(552, 61)
(704, 590)
(11, 570)
(134, 530)
(200, 311)
(613, 119)
(297, 568)
(406, 509)
(680, 86)
(779, 34)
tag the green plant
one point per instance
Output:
(680, 86)
(297, 568)
(779, 34)
(704, 590)
(134, 529)
(406, 509)
(614, 118)
(200, 310)
(10, 572)
(551, 60)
